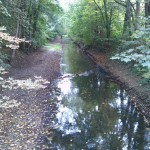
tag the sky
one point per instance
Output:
(65, 3)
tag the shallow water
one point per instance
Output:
(94, 113)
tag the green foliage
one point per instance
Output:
(3, 58)
(36, 21)
(147, 75)
(3, 10)
(94, 23)
(137, 51)
(47, 23)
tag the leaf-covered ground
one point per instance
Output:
(27, 110)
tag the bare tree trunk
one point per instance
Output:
(127, 18)
(18, 18)
(36, 16)
(147, 8)
(137, 24)
(29, 16)
(147, 11)
(18, 25)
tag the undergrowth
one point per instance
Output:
(136, 51)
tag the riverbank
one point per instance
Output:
(121, 74)
(27, 109)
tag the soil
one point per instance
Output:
(121, 74)
(24, 124)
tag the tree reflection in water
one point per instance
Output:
(93, 112)
(97, 116)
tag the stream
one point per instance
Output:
(93, 112)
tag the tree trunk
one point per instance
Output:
(29, 17)
(127, 18)
(36, 16)
(147, 12)
(107, 19)
(137, 24)
(147, 8)
(18, 25)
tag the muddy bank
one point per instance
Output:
(121, 74)
(28, 111)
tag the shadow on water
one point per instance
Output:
(94, 113)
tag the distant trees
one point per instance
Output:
(147, 8)
(98, 22)
(95, 20)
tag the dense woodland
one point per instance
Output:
(121, 27)
(33, 22)
(25, 26)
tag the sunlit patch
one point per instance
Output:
(65, 3)
(118, 102)
(6, 102)
(136, 126)
(52, 47)
(65, 86)
(97, 108)
(99, 83)
(75, 90)
(67, 121)
(2, 70)
(28, 84)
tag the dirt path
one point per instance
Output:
(30, 109)
(129, 81)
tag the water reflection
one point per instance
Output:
(67, 123)
(93, 112)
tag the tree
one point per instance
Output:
(107, 16)
(137, 14)
(147, 8)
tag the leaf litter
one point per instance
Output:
(27, 109)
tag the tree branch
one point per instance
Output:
(100, 11)
(132, 5)
(120, 3)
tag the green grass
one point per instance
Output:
(54, 47)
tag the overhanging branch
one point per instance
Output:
(120, 3)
